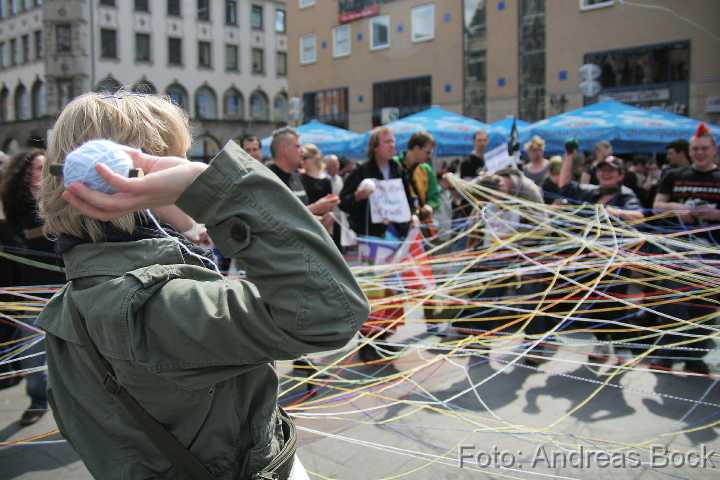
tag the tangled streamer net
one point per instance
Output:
(540, 333)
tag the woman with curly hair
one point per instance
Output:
(20, 187)
(19, 190)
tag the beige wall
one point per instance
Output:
(571, 33)
(502, 60)
(442, 57)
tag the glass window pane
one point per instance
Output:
(380, 32)
(203, 10)
(256, 17)
(231, 57)
(423, 23)
(280, 20)
(230, 12)
(63, 38)
(341, 41)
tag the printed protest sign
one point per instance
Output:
(498, 158)
(388, 202)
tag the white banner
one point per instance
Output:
(389, 202)
(498, 158)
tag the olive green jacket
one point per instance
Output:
(194, 348)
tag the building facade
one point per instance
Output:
(353, 62)
(223, 61)
(658, 53)
(350, 61)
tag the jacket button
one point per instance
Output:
(239, 232)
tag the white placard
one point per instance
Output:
(498, 158)
(712, 104)
(389, 202)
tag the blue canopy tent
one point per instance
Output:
(628, 128)
(504, 126)
(329, 139)
(453, 133)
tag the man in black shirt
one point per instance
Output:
(610, 191)
(692, 193)
(286, 152)
(354, 200)
(380, 165)
(677, 154)
(251, 144)
(621, 202)
(469, 168)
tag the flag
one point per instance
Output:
(513, 145)
(417, 272)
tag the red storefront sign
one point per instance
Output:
(368, 11)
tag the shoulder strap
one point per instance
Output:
(185, 462)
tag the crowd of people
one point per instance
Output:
(681, 195)
(682, 192)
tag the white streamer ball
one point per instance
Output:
(367, 185)
(79, 165)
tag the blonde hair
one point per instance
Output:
(149, 122)
(535, 142)
(311, 152)
(555, 164)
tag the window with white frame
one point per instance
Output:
(308, 49)
(380, 32)
(593, 4)
(306, 3)
(341, 41)
(142, 47)
(423, 23)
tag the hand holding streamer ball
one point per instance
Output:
(367, 185)
(79, 165)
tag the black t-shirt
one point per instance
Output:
(292, 181)
(687, 184)
(470, 166)
(316, 188)
(551, 191)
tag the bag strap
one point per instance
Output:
(185, 462)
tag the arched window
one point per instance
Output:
(178, 95)
(39, 107)
(233, 104)
(280, 107)
(108, 85)
(259, 106)
(203, 148)
(144, 86)
(4, 95)
(205, 104)
(22, 103)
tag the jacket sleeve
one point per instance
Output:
(300, 295)
(433, 191)
(347, 194)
